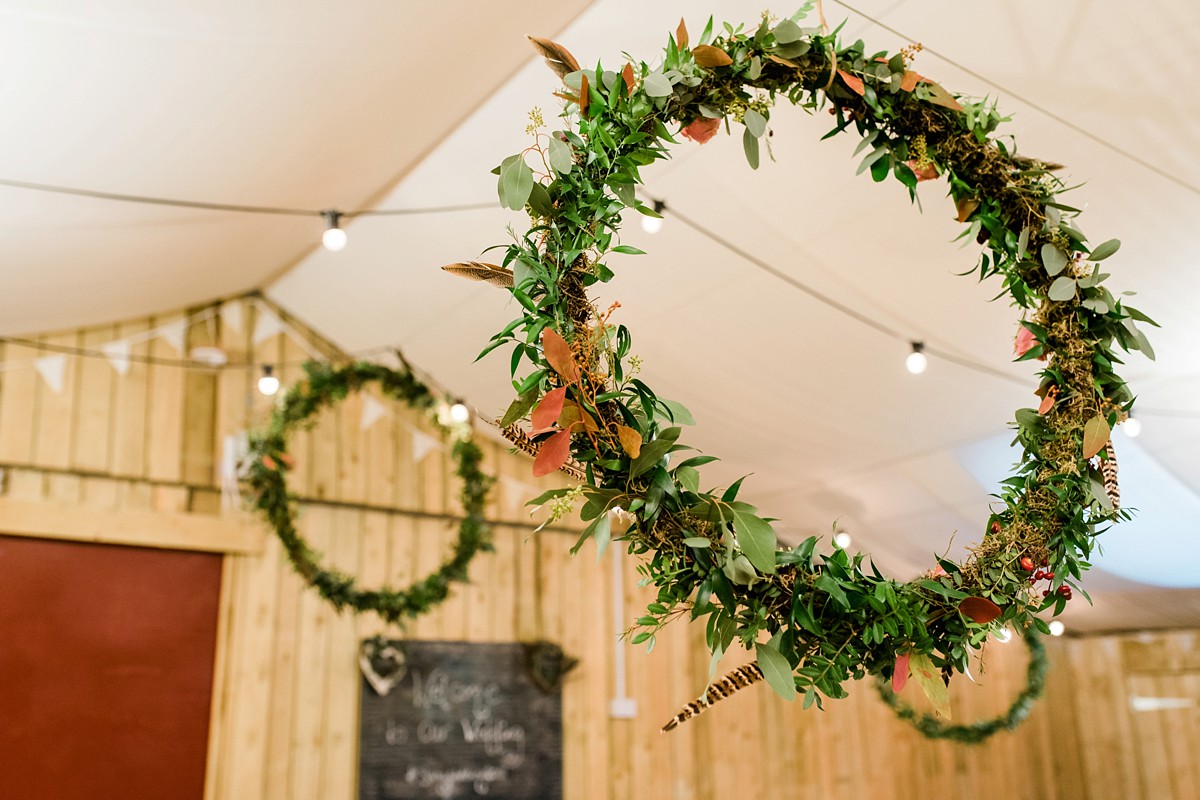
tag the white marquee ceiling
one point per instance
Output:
(307, 105)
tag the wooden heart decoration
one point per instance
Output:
(383, 664)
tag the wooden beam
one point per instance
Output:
(172, 530)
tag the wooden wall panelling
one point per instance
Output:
(165, 404)
(339, 745)
(1103, 724)
(130, 395)
(18, 409)
(92, 427)
(200, 402)
(52, 445)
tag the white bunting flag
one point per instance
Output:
(422, 444)
(234, 450)
(118, 355)
(268, 325)
(516, 493)
(372, 412)
(52, 369)
(231, 315)
(172, 333)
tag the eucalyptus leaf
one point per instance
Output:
(697, 541)
(755, 122)
(1062, 289)
(787, 31)
(1053, 259)
(562, 159)
(776, 670)
(1103, 251)
(516, 182)
(656, 85)
(750, 145)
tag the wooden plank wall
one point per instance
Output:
(284, 721)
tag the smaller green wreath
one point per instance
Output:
(932, 727)
(325, 386)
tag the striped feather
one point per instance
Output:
(479, 271)
(526, 445)
(1108, 468)
(740, 678)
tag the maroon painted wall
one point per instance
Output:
(106, 667)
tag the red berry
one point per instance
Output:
(1045, 592)
(1037, 576)
(1045, 563)
(1064, 590)
(1027, 563)
(1049, 576)
(995, 527)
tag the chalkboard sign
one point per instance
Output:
(464, 721)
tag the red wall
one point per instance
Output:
(106, 665)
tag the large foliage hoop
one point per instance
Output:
(814, 619)
(326, 386)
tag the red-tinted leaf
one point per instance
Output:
(553, 454)
(854, 82)
(910, 80)
(708, 56)
(631, 440)
(940, 97)
(681, 36)
(627, 74)
(1095, 435)
(585, 96)
(966, 207)
(558, 355)
(900, 673)
(548, 409)
(1047, 403)
(269, 462)
(979, 609)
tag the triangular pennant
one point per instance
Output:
(234, 465)
(268, 325)
(422, 443)
(231, 315)
(118, 355)
(515, 493)
(52, 369)
(173, 332)
(372, 412)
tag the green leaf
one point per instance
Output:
(1103, 251)
(755, 122)
(1140, 317)
(1022, 244)
(827, 584)
(679, 413)
(516, 182)
(1095, 435)
(1062, 290)
(519, 408)
(876, 154)
(787, 32)
(688, 477)
(697, 541)
(656, 85)
(628, 250)
(757, 540)
(539, 201)
(929, 678)
(652, 452)
(750, 145)
(561, 157)
(776, 670)
(1053, 259)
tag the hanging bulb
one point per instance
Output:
(334, 237)
(654, 224)
(459, 412)
(1132, 427)
(1056, 627)
(268, 384)
(916, 361)
(842, 539)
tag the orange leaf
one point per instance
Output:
(1095, 435)
(269, 462)
(631, 440)
(979, 609)
(854, 82)
(1047, 403)
(584, 95)
(553, 454)
(558, 355)
(558, 58)
(708, 56)
(574, 414)
(570, 98)
(549, 409)
(940, 97)
(627, 74)
(966, 207)
(910, 80)
(900, 673)
(681, 37)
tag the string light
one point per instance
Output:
(334, 237)
(916, 361)
(1056, 627)
(654, 224)
(459, 412)
(1132, 427)
(268, 384)
(842, 539)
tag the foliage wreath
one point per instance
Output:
(814, 619)
(931, 727)
(325, 386)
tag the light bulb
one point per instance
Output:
(1003, 635)
(268, 384)
(916, 361)
(1132, 427)
(1056, 627)
(654, 224)
(459, 412)
(842, 539)
(334, 237)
